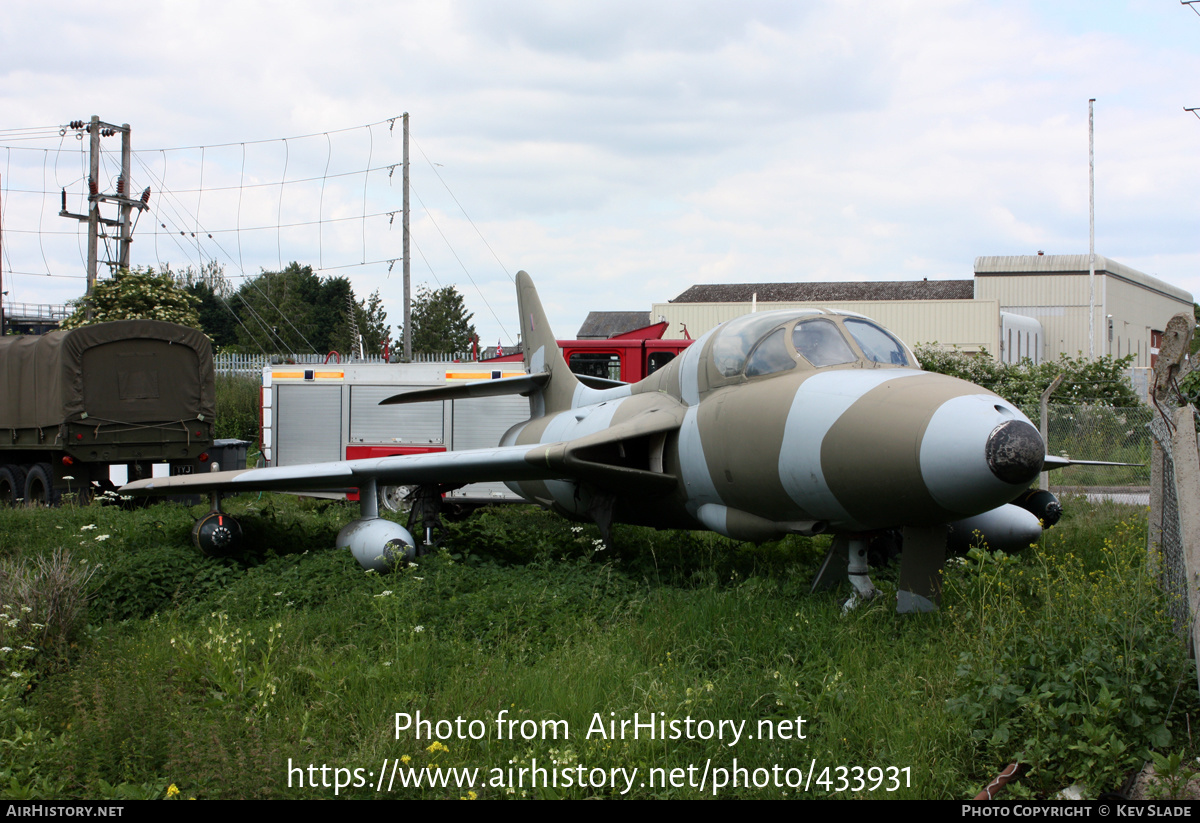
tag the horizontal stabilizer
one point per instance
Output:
(599, 382)
(525, 384)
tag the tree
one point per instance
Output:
(372, 324)
(135, 295)
(213, 290)
(440, 321)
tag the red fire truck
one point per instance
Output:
(627, 357)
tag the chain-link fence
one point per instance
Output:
(1165, 544)
(1120, 435)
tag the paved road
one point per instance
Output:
(1130, 495)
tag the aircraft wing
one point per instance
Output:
(470, 466)
(598, 458)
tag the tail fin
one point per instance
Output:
(542, 353)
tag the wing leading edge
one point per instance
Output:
(470, 466)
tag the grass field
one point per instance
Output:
(133, 667)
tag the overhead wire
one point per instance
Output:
(165, 199)
(433, 168)
(499, 322)
(169, 211)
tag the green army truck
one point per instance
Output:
(74, 403)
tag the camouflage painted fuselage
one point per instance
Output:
(755, 453)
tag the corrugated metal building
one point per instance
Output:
(1032, 306)
(1131, 308)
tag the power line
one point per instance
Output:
(433, 168)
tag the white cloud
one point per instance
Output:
(618, 151)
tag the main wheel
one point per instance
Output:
(217, 534)
(12, 485)
(39, 486)
(395, 498)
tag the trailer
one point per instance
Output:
(324, 413)
(75, 404)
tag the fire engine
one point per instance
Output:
(322, 413)
(628, 357)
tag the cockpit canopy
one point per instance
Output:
(772, 342)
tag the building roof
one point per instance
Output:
(818, 292)
(601, 325)
(1029, 264)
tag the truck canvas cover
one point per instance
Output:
(127, 371)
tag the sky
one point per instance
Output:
(618, 151)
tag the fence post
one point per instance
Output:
(1187, 496)
(1044, 403)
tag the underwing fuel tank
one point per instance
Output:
(1007, 528)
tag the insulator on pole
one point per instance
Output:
(92, 187)
(146, 195)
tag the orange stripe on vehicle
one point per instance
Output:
(477, 375)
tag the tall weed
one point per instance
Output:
(1071, 666)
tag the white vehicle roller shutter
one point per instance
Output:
(411, 424)
(308, 424)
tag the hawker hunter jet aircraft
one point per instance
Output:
(783, 422)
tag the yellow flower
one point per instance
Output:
(405, 759)
(435, 747)
(172, 792)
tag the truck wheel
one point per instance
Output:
(12, 485)
(395, 498)
(39, 486)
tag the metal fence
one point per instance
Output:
(1165, 542)
(251, 365)
(1120, 435)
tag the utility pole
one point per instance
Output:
(407, 268)
(96, 129)
(1091, 234)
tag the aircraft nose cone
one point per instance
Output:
(1014, 452)
(978, 452)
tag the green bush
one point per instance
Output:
(237, 407)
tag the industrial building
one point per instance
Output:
(1036, 306)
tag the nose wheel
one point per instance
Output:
(923, 553)
(858, 573)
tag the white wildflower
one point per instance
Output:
(100, 537)
(88, 527)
